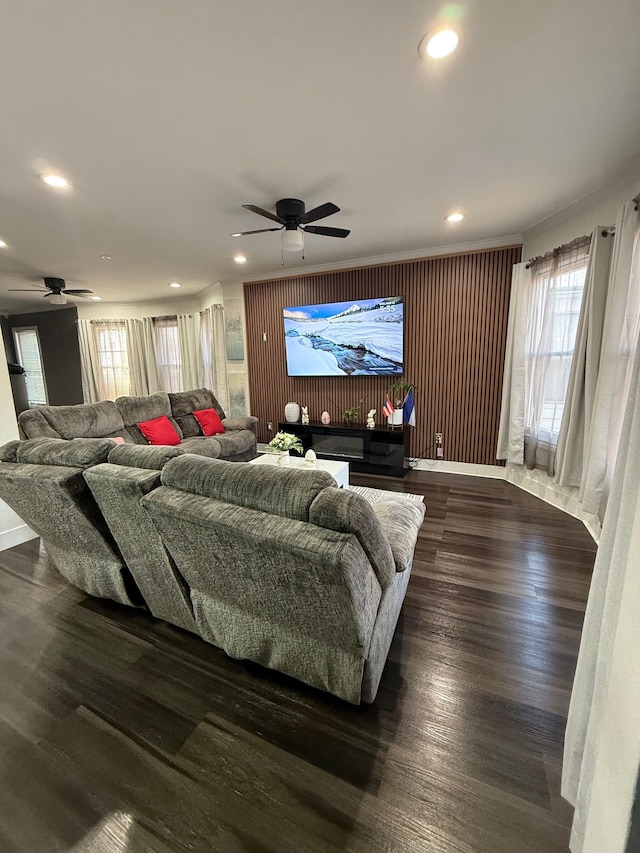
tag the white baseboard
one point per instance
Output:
(471, 469)
(16, 536)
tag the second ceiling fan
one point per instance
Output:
(294, 222)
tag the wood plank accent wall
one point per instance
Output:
(455, 330)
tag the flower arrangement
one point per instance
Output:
(285, 441)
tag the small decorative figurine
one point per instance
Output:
(305, 414)
(310, 457)
(371, 424)
(325, 418)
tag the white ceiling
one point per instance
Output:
(168, 116)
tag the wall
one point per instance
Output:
(13, 530)
(455, 326)
(60, 352)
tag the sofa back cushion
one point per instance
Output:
(33, 424)
(87, 420)
(75, 453)
(137, 456)
(184, 403)
(349, 512)
(288, 492)
(135, 410)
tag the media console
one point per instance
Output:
(369, 451)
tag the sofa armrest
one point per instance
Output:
(9, 451)
(400, 520)
(249, 422)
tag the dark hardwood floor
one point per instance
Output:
(120, 733)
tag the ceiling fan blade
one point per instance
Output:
(76, 292)
(319, 212)
(327, 232)
(26, 290)
(261, 212)
(259, 231)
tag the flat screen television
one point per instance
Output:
(361, 338)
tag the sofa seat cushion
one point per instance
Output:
(86, 420)
(349, 512)
(159, 431)
(202, 446)
(236, 443)
(75, 453)
(288, 492)
(209, 421)
(185, 403)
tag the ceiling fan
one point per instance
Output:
(55, 289)
(294, 222)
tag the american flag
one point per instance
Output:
(388, 409)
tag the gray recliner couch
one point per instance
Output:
(119, 419)
(285, 569)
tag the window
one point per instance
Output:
(557, 286)
(113, 359)
(28, 353)
(168, 360)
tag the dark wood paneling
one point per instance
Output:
(120, 732)
(455, 330)
(58, 334)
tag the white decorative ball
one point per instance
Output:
(310, 457)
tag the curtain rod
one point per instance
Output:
(572, 245)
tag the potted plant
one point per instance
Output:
(282, 443)
(398, 393)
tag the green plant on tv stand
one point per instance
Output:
(399, 391)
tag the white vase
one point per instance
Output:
(283, 457)
(292, 413)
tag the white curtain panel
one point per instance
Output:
(212, 364)
(168, 353)
(602, 741)
(619, 341)
(583, 377)
(89, 362)
(511, 432)
(189, 341)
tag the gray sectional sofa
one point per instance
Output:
(119, 420)
(275, 565)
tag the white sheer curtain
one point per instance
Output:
(104, 359)
(189, 342)
(167, 353)
(553, 308)
(212, 365)
(583, 377)
(618, 348)
(602, 741)
(511, 432)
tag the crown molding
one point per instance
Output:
(394, 258)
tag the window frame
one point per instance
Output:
(16, 330)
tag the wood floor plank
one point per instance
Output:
(120, 732)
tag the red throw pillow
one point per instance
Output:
(210, 421)
(159, 431)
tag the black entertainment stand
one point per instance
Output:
(369, 451)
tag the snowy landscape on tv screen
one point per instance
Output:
(363, 338)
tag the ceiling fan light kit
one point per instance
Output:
(292, 241)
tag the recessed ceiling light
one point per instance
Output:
(105, 257)
(237, 234)
(454, 217)
(240, 259)
(175, 284)
(96, 298)
(439, 44)
(3, 245)
(56, 181)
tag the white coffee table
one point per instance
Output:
(338, 470)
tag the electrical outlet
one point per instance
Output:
(438, 438)
(270, 426)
